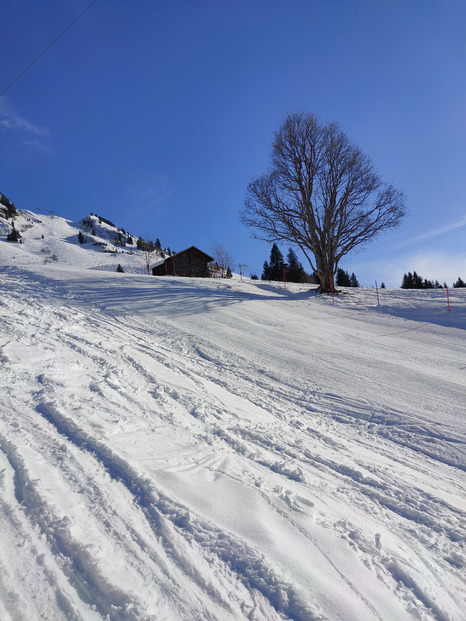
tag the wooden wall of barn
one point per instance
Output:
(183, 264)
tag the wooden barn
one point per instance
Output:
(189, 262)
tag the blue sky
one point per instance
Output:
(157, 114)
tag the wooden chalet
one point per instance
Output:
(189, 262)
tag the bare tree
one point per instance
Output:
(321, 194)
(223, 258)
(148, 256)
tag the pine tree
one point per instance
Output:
(414, 281)
(120, 269)
(407, 282)
(265, 271)
(353, 280)
(417, 281)
(343, 278)
(81, 238)
(294, 270)
(382, 286)
(276, 264)
(274, 269)
(459, 283)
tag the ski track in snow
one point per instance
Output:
(193, 450)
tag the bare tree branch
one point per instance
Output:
(223, 258)
(148, 256)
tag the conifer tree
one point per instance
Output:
(417, 281)
(276, 264)
(343, 278)
(265, 271)
(407, 282)
(294, 270)
(414, 281)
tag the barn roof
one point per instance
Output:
(193, 249)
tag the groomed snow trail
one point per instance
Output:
(176, 449)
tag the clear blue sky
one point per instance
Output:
(156, 114)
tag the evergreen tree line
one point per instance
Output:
(102, 219)
(277, 269)
(414, 281)
(150, 246)
(292, 270)
(343, 279)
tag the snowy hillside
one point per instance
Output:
(185, 449)
(52, 239)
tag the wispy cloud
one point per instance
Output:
(37, 144)
(438, 231)
(149, 193)
(12, 121)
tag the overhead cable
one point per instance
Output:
(47, 48)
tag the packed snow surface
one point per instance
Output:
(194, 449)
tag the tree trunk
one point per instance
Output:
(327, 284)
(325, 274)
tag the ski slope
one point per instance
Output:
(189, 449)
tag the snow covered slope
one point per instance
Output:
(52, 239)
(183, 449)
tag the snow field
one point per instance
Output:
(186, 449)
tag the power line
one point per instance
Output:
(46, 49)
